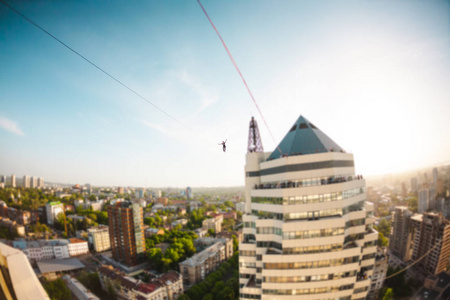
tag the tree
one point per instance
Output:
(211, 232)
(155, 255)
(382, 241)
(57, 290)
(389, 295)
(412, 204)
(183, 297)
(384, 227)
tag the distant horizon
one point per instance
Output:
(19, 178)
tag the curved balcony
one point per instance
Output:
(307, 182)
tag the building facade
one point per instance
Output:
(53, 209)
(379, 273)
(26, 182)
(308, 228)
(13, 180)
(213, 223)
(99, 238)
(431, 232)
(126, 232)
(196, 268)
(400, 239)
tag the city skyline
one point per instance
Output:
(371, 75)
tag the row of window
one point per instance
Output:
(249, 296)
(307, 199)
(321, 290)
(297, 279)
(308, 234)
(269, 230)
(313, 249)
(307, 182)
(309, 215)
(312, 264)
(247, 253)
(247, 265)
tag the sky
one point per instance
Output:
(372, 75)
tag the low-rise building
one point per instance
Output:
(78, 289)
(50, 249)
(213, 223)
(167, 286)
(77, 247)
(196, 268)
(205, 242)
(53, 209)
(99, 238)
(201, 232)
(152, 231)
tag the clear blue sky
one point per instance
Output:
(373, 75)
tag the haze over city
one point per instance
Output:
(371, 75)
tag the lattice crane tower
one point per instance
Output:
(254, 138)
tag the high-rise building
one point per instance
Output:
(189, 192)
(379, 273)
(431, 232)
(423, 199)
(307, 228)
(13, 180)
(3, 179)
(414, 185)
(34, 182)
(40, 182)
(26, 182)
(435, 177)
(400, 239)
(126, 232)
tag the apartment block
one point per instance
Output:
(400, 240)
(99, 238)
(196, 268)
(126, 232)
(213, 223)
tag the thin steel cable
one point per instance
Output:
(240, 74)
(409, 266)
(98, 67)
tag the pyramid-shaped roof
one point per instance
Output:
(304, 138)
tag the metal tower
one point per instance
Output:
(254, 139)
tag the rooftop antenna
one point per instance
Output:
(254, 139)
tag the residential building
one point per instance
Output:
(436, 287)
(162, 200)
(40, 182)
(139, 193)
(120, 190)
(308, 228)
(200, 232)
(78, 289)
(152, 231)
(414, 185)
(213, 223)
(168, 286)
(423, 199)
(13, 180)
(53, 209)
(33, 182)
(77, 247)
(26, 182)
(17, 278)
(189, 192)
(240, 206)
(126, 232)
(400, 240)
(196, 268)
(205, 242)
(379, 273)
(99, 238)
(431, 232)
